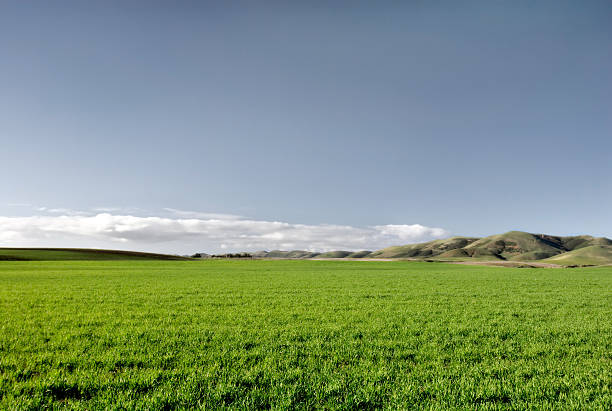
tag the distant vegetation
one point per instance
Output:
(231, 255)
(511, 246)
(227, 255)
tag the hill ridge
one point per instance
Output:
(509, 246)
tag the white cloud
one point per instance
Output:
(208, 232)
(62, 211)
(410, 233)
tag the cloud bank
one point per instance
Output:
(188, 232)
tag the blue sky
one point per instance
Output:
(357, 125)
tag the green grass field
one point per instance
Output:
(63, 254)
(303, 334)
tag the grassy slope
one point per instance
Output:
(429, 249)
(576, 242)
(513, 245)
(309, 334)
(360, 254)
(521, 246)
(285, 254)
(335, 254)
(595, 255)
(48, 254)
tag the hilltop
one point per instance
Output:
(513, 246)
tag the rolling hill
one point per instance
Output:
(429, 249)
(513, 246)
(508, 248)
(49, 254)
(590, 255)
(285, 254)
(335, 254)
(300, 254)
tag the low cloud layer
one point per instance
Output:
(187, 232)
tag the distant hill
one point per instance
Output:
(48, 254)
(335, 254)
(510, 246)
(513, 247)
(285, 254)
(521, 246)
(300, 254)
(360, 254)
(429, 249)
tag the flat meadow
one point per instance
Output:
(303, 334)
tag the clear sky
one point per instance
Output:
(186, 126)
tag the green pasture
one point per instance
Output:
(303, 334)
(64, 254)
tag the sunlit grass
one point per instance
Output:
(303, 334)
